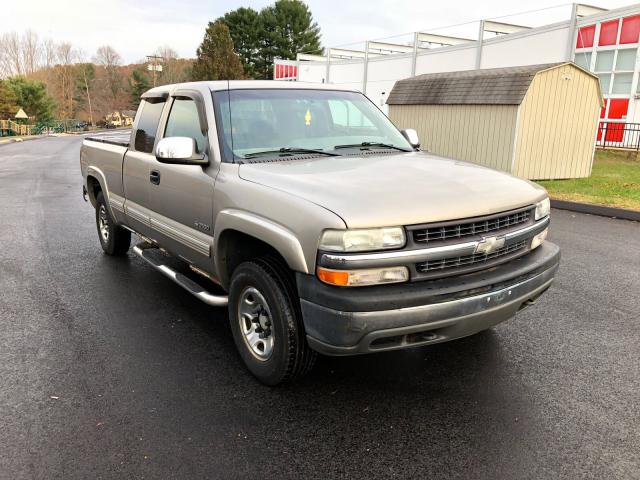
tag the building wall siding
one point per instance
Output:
(482, 134)
(557, 125)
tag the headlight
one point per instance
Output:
(363, 239)
(543, 209)
(364, 277)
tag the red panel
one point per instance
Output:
(617, 111)
(630, 29)
(618, 108)
(608, 33)
(585, 36)
(295, 71)
(289, 71)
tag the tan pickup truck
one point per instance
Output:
(320, 225)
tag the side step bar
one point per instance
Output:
(189, 285)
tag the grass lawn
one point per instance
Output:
(614, 182)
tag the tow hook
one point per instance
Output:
(84, 193)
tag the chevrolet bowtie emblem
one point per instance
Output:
(489, 245)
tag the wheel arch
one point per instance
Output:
(241, 236)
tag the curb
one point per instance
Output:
(599, 210)
(20, 140)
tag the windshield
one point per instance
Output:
(276, 122)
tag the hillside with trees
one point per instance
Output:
(56, 80)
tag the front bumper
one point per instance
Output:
(342, 321)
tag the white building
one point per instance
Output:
(603, 41)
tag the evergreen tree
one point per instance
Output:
(8, 105)
(32, 97)
(279, 31)
(245, 29)
(216, 58)
(139, 83)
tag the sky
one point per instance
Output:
(136, 28)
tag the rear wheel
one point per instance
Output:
(114, 239)
(266, 321)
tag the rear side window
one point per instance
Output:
(148, 126)
(183, 121)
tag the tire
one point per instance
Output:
(277, 324)
(114, 240)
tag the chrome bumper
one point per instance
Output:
(334, 332)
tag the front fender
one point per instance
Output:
(276, 235)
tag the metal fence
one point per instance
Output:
(619, 135)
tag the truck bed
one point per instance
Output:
(119, 138)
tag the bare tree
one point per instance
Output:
(66, 56)
(174, 70)
(31, 52)
(110, 60)
(11, 54)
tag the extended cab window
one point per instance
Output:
(148, 126)
(184, 122)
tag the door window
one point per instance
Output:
(184, 122)
(148, 126)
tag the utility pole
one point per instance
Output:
(154, 66)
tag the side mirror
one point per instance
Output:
(412, 137)
(181, 150)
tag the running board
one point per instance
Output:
(189, 285)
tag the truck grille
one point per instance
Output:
(452, 231)
(469, 260)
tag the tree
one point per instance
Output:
(110, 60)
(279, 31)
(8, 105)
(216, 59)
(85, 74)
(139, 83)
(245, 29)
(32, 97)
(174, 69)
(65, 86)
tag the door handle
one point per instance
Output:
(154, 177)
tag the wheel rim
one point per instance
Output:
(254, 317)
(103, 223)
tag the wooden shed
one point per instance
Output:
(536, 121)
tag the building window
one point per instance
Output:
(622, 83)
(583, 59)
(626, 60)
(585, 37)
(604, 61)
(608, 33)
(630, 29)
(605, 81)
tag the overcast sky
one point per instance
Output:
(135, 28)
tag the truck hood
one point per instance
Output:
(396, 189)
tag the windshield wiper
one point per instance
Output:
(372, 144)
(290, 150)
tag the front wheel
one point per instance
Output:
(266, 321)
(114, 239)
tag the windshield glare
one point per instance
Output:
(268, 120)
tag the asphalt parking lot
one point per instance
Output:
(109, 370)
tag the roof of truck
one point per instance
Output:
(249, 84)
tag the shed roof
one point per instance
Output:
(491, 86)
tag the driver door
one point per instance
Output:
(181, 197)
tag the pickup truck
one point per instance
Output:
(320, 225)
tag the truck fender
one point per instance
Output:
(277, 236)
(99, 176)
